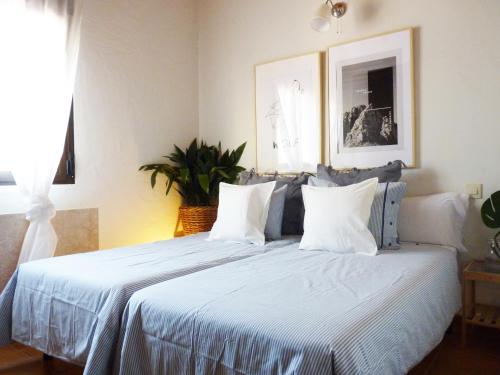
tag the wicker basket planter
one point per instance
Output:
(197, 219)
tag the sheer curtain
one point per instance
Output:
(39, 42)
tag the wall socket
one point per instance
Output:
(475, 191)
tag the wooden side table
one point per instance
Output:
(474, 313)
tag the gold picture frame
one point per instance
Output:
(358, 145)
(268, 78)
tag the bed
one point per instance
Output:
(70, 307)
(295, 312)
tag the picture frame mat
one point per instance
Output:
(360, 49)
(274, 66)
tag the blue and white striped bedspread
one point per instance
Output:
(295, 312)
(70, 307)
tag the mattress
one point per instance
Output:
(295, 312)
(70, 307)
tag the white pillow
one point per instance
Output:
(435, 219)
(242, 213)
(336, 218)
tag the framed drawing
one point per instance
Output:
(371, 101)
(288, 114)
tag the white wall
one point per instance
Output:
(136, 95)
(457, 63)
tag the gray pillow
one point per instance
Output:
(315, 181)
(275, 215)
(251, 178)
(387, 173)
(293, 213)
(384, 213)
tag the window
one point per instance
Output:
(66, 170)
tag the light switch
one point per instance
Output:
(474, 190)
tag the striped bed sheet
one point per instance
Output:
(70, 307)
(295, 312)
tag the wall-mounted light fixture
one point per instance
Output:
(322, 20)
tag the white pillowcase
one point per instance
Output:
(434, 219)
(336, 218)
(242, 213)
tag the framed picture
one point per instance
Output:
(288, 114)
(371, 101)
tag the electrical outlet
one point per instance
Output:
(475, 191)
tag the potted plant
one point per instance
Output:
(197, 173)
(490, 213)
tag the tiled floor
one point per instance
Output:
(481, 357)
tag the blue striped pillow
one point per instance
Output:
(384, 214)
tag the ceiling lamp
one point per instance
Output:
(322, 20)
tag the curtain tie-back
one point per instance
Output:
(41, 209)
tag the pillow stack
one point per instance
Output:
(347, 212)
(384, 215)
(293, 208)
(286, 211)
(384, 207)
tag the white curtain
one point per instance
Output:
(39, 43)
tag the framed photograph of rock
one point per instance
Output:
(371, 101)
(288, 107)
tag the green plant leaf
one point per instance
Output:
(170, 182)
(214, 170)
(153, 179)
(192, 151)
(184, 175)
(224, 159)
(204, 182)
(224, 174)
(149, 167)
(178, 156)
(490, 211)
(239, 152)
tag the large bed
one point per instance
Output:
(295, 312)
(71, 307)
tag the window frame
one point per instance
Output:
(65, 174)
